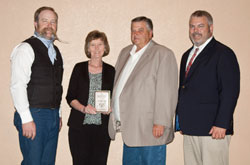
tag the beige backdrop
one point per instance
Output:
(78, 17)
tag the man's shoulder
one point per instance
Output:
(23, 52)
(30, 40)
(161, 49)
(33, 42)
(23, 48)
(23, 45)
(222, 47)
(127, 48)
(188, 51)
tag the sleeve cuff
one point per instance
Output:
(60, 112)
(26, 117)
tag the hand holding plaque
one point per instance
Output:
(102, 100)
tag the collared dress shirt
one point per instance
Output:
(201, 47)
(22, 58)
(127, 70)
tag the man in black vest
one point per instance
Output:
(37, 70)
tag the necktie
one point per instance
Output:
(191, 61)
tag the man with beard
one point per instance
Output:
(208, 92)
(36, 89)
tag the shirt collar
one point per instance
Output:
(45, 41)
(133, 50)
(201, 47)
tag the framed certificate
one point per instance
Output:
(102, 100)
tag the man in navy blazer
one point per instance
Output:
(208, 92)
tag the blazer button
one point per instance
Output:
(183, 86)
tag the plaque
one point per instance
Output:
(102, 100)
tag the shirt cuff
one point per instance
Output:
(26, 117)
(60, 112)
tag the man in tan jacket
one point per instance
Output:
(144, 97)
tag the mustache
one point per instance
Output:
(44, 31)
(196, 33)
(55, 37)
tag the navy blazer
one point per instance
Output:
(208, 95)
(79, 89)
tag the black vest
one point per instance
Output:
(44, 88)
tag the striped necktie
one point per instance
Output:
(191, 61)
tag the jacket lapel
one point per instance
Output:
(142, 61)
(119, 67)
(202, 56)
(183, 65)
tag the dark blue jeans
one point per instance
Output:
(148, 155)
(41, 150)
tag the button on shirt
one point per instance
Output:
(127, 70)
(201, 47)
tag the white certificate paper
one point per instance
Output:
(102, 100)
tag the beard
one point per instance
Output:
(193, 36)
(45, 31)
(196, 34)
(203, 37)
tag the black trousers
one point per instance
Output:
(89, 145)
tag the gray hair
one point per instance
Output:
(148, 22)
(201, 13)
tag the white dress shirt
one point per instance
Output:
(22, 58)
(201, 47)
(127, 70)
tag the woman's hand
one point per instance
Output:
(90, 109)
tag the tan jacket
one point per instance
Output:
(149, 96)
